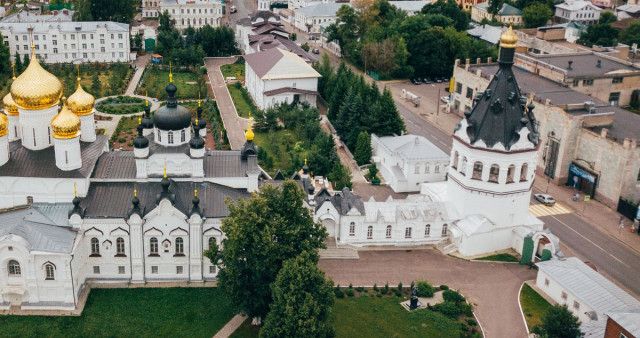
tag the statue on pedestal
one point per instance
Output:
(414, 297)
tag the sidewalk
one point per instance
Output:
(593, 212)
(230, 327)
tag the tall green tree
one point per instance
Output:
(302, 300)
(95, 85)
(261, 234)
(607, 17)
(165, 21)
(536, 15)
(25, 61)
(631, 34)
(345, 30)
(495, 6)
(599, 34)
(449, 9)
(363, 151)
(5, 63)
(558, 322)
(19, 67)
(100, 10)
(340, 176)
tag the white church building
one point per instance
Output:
(76, 212)
(482, 207)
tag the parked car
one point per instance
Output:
(445, 79)
(415, 81)
(233, 9)
(545, 199)
(313, 37)
(439, 80)
(426, 80)
(315, 51)
(444, 99)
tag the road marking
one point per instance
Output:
(590, 241)
(540, 210)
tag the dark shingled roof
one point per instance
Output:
(116, 165)
(499, 115)
(119, 195)
(42, 163)
(343, 201)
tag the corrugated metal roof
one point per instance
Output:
(42, 226)
(628, 319)
(116, 165)
(593, 329)
(412, 147)
(322, 9)
(225, 163)
(42, 163)
(590, 287)
(119, 195)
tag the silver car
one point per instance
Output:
(545, 199)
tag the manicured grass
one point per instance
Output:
(155, 81)
(384, 317)
(152, 312)
(235, 70)
(534, 306)
(276, 143)
(246, 330)
(503, 257)
(243, 102)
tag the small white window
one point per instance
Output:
(179, 269)
(576, 305)
(444, 229)
(427, 230)
(437, 168)
(564, 295)
(546, 282)
(96, 269)
(388, 233)
(407, 232)
(212, 269)
(179, 246)
(49, 271)
(121, 269)
(95, 247)
(352, 229)
(154, 269)
(370, 232)
(14, 268)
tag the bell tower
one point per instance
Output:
(493, 158)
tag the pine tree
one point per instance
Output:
(389, 119)
(363, 152)
(25, 61)
(95, 85)
(302, 300)
(340, 176)
(18, 63)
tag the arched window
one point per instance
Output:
(463, 166)
(153, 246)
(454, 165)
(388, 231)
(170, 137)
(183, 136)
(14, 268)
(426, 168)
(212, 241)
(95, 247)
(510, 173)
(179, 246)
(370, 232)
(49, 270)
(444, 229)
(523, 172)
(494, 173)
(427, 230)
(352, 229)
(477, 171)
(120, 246)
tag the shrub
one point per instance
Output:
(448, 309)
(122, 140)
(443, 287)
(339, 293)
(360, 289)
(452, 296)
(400, 286)
(472, 322)
(375, 181)
(467, 309)
(375, 287)
(425, 289)
(349, 292)
(364, 295)
(379, 295)
(397, 292)
(130, 144)
(350, 286)
(386, 288)
(464, 327)
(238, 85)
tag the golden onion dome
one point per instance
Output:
(36, 88)
(4, 125)
(508, 39)
(249, 134)
(66, 124)
(10, 106)
(81, 102)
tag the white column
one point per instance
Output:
(68, 155)
(137, 252)
(87, 128)
(36, 127)
(4, 149)
(15, 131)
(141, 168)
(197, 165)
(195, 247)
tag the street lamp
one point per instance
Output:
(437, 103)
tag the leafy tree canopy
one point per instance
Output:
(631, 34)
(558, 322)
(536, 15)
(599, 34)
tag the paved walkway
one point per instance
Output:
(230, 327)
(110, 126)
(234, 124)
(491, 287)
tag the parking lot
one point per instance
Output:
(429, 94)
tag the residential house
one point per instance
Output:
(407, 161)
(508, 14)
(193, 13)
(308, 19)
(487, 33)
(277, 76)
(23, 16)
(580, 11)
(628, 11)
(467, 4)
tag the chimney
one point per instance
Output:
(570, 63)
(599, 64)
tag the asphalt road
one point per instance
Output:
(416, 125)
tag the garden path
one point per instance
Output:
(110, 126)
(230, 327)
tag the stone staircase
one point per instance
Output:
(446, 247)
(335, 251)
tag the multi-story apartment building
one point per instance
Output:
(150, 9)
(194, 13)
(580, 11)
(103, 41)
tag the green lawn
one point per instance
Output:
(533, 306)
(243, 102)
(235, 70)
(379, 317)
(141, 312)
(503, 257)
(275, 143)
(155, 81)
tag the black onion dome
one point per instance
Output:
(196, 142)
(140, 142)
(172, 116)
(147, 122)
(201, 122)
